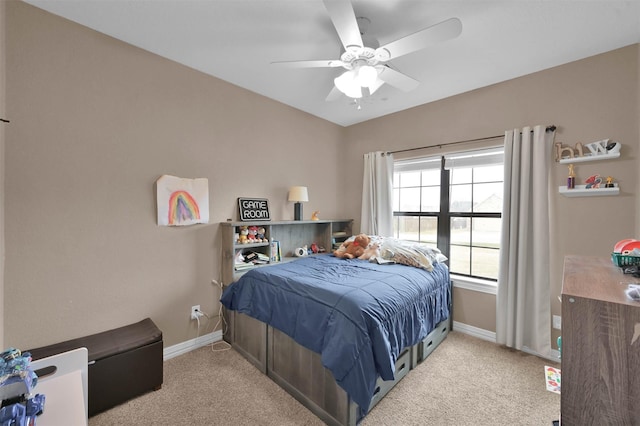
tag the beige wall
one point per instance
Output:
(3, 114)
(587, 100)
(94, 123)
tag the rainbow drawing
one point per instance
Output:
(182, 208)
(181, 201)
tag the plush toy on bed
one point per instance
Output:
(352, 248)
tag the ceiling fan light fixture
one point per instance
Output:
(367, 75)
(347, 83)
(352, 81)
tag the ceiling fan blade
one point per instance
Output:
(333, 95)
(397, 79)
(445, 30)
(344, 20)
(328, 63)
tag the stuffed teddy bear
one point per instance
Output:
(244, 232)
(351, 249)
(261, 235)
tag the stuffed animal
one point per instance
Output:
(253, 231)
(244, 232)
(260, 235)
(351, 249)
(372, 250)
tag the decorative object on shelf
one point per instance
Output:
(181, 201)
(604, 147)
(244, 235)
(299, 195)
(301, 251)
(253, 209)
(274, 249)
(609, 183)
(314, 215)
(315, 249)
(593, 181)
(261, 235)
(600, 150)
(253, 231)
(568, 152)
(571, 180)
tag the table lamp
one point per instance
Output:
(298, 194)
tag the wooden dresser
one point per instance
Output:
(600, 345)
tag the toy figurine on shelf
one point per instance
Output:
(571, 180)
(314, 215)
(609, 183)
(593, 181)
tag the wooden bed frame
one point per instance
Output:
(300, 372)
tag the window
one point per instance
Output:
(453, 202)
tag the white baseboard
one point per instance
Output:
(189, 345)
(554, 355)
(475, 331)
(490, 336)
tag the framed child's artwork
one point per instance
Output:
(182, 201)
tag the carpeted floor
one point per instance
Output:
(465, 381)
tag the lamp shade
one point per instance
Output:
(352, 81)
(298, 194)
(348, 85)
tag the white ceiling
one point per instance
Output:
(236, 41)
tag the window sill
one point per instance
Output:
(474, 284)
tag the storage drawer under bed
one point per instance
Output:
(424, 348)
(403, 365)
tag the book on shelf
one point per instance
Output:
(243, 266)
(274, 250)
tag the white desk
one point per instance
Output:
(65, 390)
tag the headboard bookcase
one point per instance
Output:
(290, 234)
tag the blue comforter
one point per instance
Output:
(358, 315)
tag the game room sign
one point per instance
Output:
(253, 209)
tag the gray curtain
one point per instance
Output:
(523, 300)
(377, 191)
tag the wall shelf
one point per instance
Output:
(582, 191)
(589, 157)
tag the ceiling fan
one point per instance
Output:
(366, 65)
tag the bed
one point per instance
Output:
(354, 327)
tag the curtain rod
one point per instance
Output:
(551, 128)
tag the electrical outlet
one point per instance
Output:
(557, 322)
(195, 312)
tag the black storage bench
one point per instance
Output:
(123, 363)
